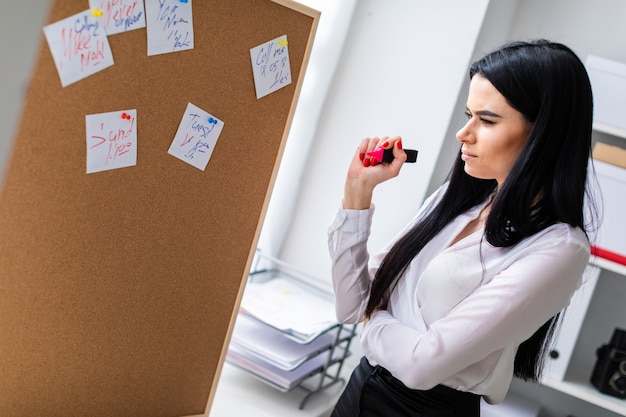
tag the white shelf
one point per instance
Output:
(609, 129)
(579, 387)
(608, 265)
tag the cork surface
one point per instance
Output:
(117, 288)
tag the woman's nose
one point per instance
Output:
(465, 134)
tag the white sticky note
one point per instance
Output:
(120, 15)
(270, 66)
(79, 46)
(111, 140)
(169, 26)
(196, 137)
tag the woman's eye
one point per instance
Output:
(484, 121)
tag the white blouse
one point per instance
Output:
(459, 312)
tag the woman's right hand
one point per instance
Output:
(364, 173)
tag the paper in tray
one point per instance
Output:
(271, 346)
(281, 379)
(289, 307)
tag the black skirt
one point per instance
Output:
(373, 392)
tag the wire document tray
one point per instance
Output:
(286, 333)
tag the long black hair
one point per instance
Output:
(548, 84)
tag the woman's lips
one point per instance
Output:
(467, 156)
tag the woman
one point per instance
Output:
(467, 296)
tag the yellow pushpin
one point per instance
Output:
(97, 12)
(282, 42)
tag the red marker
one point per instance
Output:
(386, 155)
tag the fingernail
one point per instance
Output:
(361, 156)
(373, 162)
(400, 144)
(385, 144)
(366, 162)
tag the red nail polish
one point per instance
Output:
(385, 144)
(373, 162)
(361, 156)
(399, 144)
(366, 162)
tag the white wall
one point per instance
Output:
(494, 32)
(403, 65)
(332, 30)
(595, 27)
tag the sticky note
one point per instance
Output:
(270, 66)
(111, 140)
(120, 15)
(196, 137)
(79, 46)
(169, 26)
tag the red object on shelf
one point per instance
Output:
(607, 254)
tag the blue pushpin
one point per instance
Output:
(212, 120)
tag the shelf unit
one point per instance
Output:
(620, 133)
(576, 382)
(578, 386)
(609, 129)
(608, 265)
(327, 372)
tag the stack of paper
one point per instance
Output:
(281, 379)
(267, 344)
(289, 307)
(284, 333)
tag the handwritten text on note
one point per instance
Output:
(120, 15)
(111, 140)
(79, 46)
(196, 137)
(169, 26)
(270, 66)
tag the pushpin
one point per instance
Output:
(212, 120)
(125, 116)
(97, 12)
(282, 42)
(183, 1)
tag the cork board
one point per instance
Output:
(118, 289)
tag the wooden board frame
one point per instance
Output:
(119, 289)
